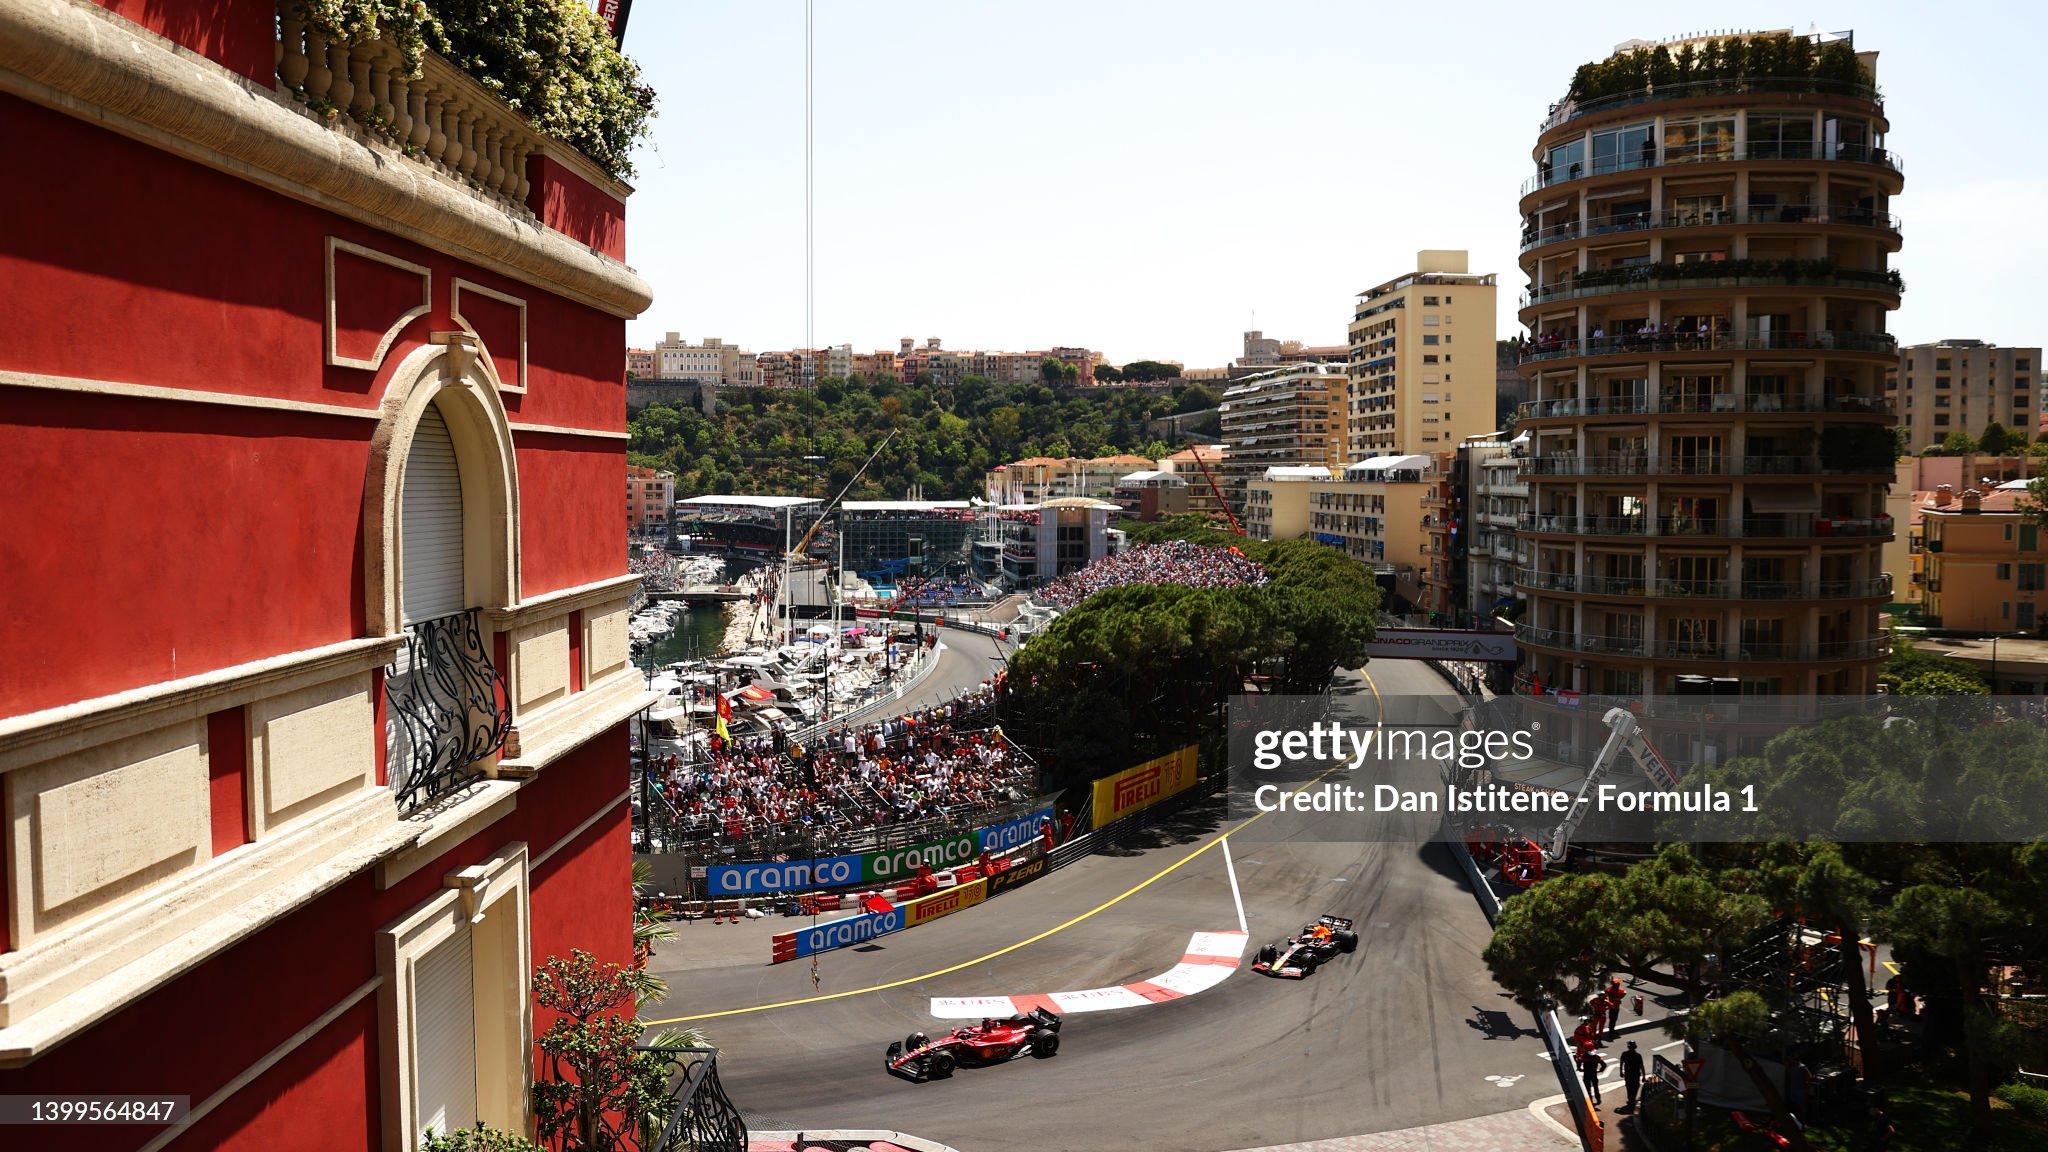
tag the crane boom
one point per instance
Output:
(1626, 738)
(1215, 488)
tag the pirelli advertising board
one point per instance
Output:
(1016, 875)
(926, 909)
(1134, 788)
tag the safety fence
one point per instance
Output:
(1591, 1133)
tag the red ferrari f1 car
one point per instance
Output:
(919, 1058)
(1326, 939)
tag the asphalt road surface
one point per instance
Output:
(1409, 1030)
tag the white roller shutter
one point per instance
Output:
(431, 521)
(444, 1036)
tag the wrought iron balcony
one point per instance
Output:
(447, 709)
(699, 1117)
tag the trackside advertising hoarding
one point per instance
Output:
(879, 868)
(929, 908)
(1016, 875)
(1134, 788)
(1015, 834)
(851, 930)
(844, 933)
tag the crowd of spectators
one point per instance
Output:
(1171, 562)
(945, 762)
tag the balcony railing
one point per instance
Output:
(443, 118)
(699, 1117)
(1567, 110)
(1721, 402)
(1671, 155)
(1795, 527)
(1673, 588)
(1716, 274)
(1545, 348)
(1634, 464)
(447, 710)
(1722, 218)
(1716, 649)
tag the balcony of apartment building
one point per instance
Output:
(1758, 141)
(1697, 213)
(1701, 284)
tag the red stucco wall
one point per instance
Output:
(575, 207)
(237, 34)
(194, 1035)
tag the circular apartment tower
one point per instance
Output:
(1707, 241)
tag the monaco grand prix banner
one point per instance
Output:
(1134, 788)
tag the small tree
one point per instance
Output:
(597, 1091)
(1996, 440)
(1958, 443)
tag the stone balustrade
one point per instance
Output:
(442, 117)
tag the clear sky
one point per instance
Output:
(1140, 177)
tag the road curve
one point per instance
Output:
(1408, 1031)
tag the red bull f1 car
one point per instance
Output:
(1326, 939)
(919, 1058)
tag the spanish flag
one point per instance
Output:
(724, 714)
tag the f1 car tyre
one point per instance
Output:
(1044, 1043)
(939, 1065)
(1268, 953)
(1348, 941)
(1308, 964)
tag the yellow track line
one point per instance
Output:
(1000, 952)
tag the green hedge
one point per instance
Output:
(551, 61)
(1774, 57)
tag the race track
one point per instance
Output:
(1408, 1031)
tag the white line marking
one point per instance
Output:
(1237, 899)
(1673, 1044)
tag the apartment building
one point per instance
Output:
(640, 362)
(1288, 417)
(713, 362)
(1964, 386)
(650, 496)
(1040, 478)
(305, 777)
(1499, 496)
(1276, 506)
(1917, 486)
(1189, 463)
(1373, 511)
(1151, 495)
(1409, 390)
(1986, 568)
(1709, 442)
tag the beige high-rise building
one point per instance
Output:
(1964, 386)
(1289, 417)
(1709, 443)
(1409, 390)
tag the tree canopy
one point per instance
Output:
(791, 443)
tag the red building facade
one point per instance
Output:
(312, 583)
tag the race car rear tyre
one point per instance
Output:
(939, 1065)
(1348, 941)
(1044, 1043)
(1268, 953)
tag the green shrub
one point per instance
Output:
(552, 61)
(2026, 1100)
(478, 1140)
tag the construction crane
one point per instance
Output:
(797, 553)
(1627, 737)
(1215, 488)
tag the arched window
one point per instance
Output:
(446, 714)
